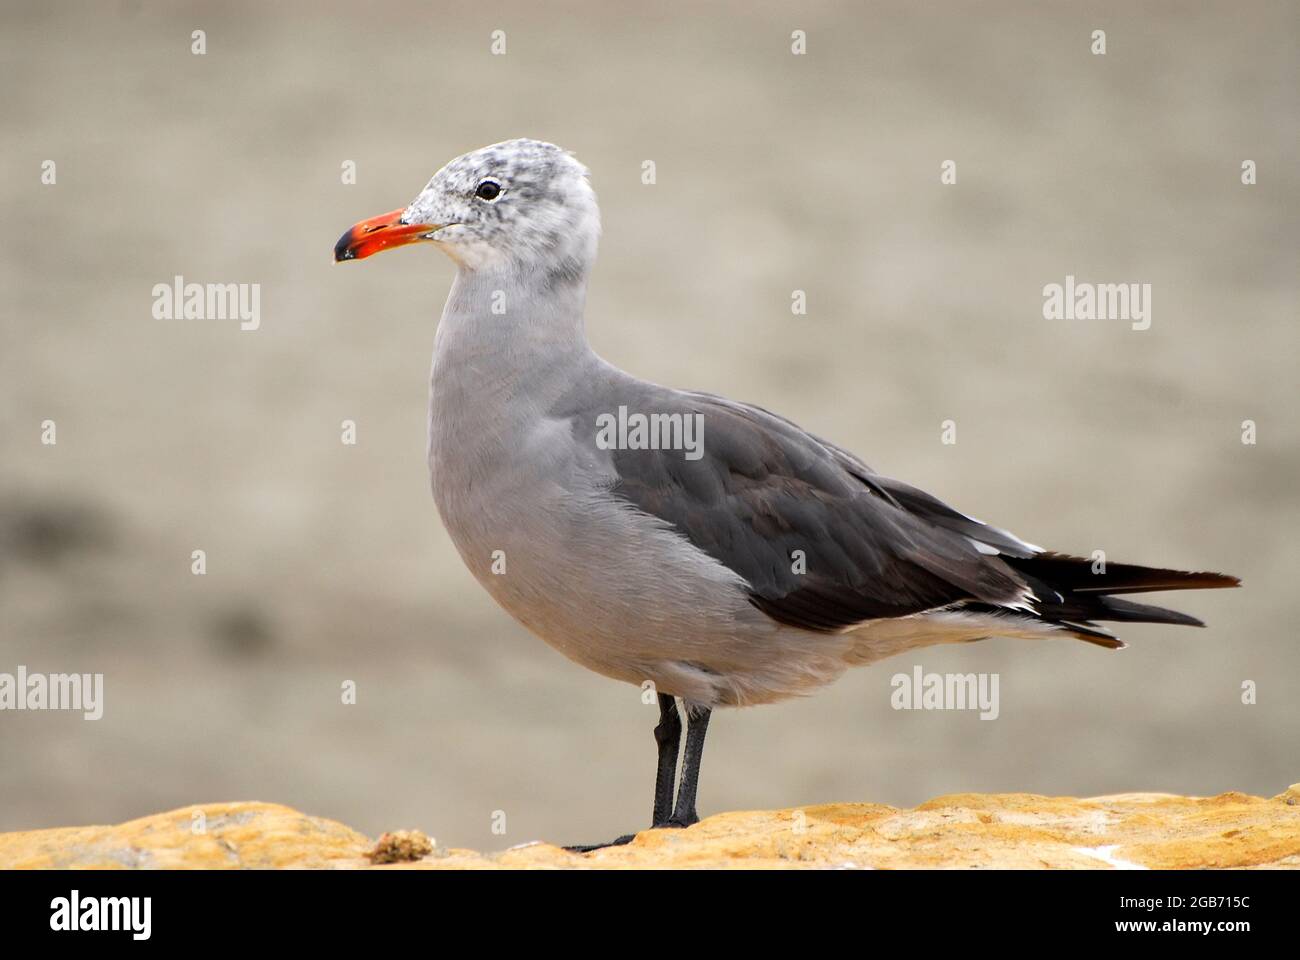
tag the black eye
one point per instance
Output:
(488, 190)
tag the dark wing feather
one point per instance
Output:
(764, 489)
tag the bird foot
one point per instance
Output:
(672, 823)
(677, 823)
(588, 847)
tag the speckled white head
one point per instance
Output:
(519, 206)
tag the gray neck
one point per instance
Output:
(510, 339)
(513, 318)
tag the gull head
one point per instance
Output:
(521, 204)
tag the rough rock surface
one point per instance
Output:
(1015, 830)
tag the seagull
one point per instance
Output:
(704, 549)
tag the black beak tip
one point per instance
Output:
(342, 249)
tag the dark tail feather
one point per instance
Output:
(1094, 634)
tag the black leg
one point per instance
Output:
(668, 735)
(697, 725)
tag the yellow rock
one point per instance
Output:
(211, 836)
(1015, 830)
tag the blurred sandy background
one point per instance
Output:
(328, 563)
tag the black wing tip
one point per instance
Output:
(1202, 580)
(1076, 573)
(1179, 619)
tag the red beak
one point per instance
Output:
(379, 233)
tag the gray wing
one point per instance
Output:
(764, 489)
